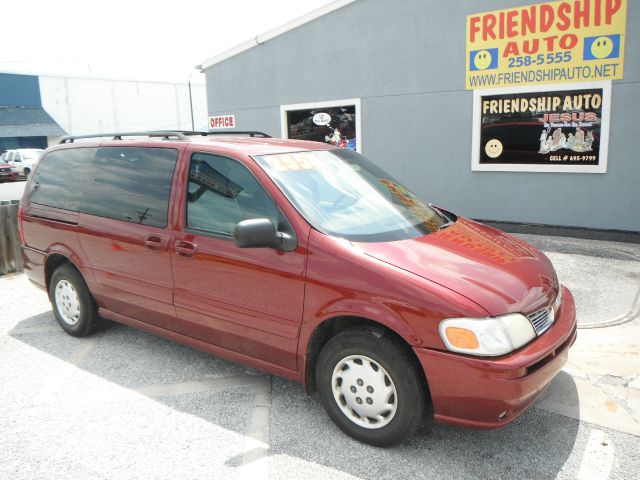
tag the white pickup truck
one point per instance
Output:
(23, 159)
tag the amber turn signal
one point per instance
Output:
(462, 338)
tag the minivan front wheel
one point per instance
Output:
(370, 386)
(73, 306)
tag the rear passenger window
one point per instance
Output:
(222, 193)
(131, 184)
(60, 178)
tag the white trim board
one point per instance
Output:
(260, 39)
(498, 167)
(284, 131)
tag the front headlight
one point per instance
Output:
(487, 336)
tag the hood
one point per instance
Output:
(497, 271)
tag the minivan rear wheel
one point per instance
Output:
(73, 306)
(370, 386)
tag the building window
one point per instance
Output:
(333, 122)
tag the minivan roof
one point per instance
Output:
(261, 146)
(246, 145)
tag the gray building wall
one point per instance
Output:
(406, 61)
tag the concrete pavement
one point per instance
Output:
(12, 190)
(604, 364)
(124, 404)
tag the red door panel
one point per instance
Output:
(246, 300)
(131, 264)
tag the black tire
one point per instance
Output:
(395, 359)
(26, 172)
(86, 320)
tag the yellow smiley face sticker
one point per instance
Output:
(493, 148)
(482, 59)
(601, 47)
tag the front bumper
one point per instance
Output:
(481, 392)
(8, 176)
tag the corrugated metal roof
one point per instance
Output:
(19, 90)
(27, 122)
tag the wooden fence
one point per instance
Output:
(10, 255)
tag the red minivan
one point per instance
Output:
(306, 261)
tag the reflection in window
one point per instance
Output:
(60, 178)
(222, 193)
(131, 184)
(334, 125)
(343, 194)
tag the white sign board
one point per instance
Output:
(222, 121)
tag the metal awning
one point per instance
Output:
(28, 122)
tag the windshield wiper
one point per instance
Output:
(448, 220)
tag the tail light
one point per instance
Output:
(20, 224)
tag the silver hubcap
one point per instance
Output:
(364, 391)
(67, 302)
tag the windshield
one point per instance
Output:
(343, 194)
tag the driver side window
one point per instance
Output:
(222, 192)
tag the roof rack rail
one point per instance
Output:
(166, 134)
(251, 133)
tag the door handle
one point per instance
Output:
(154, 242)
(186, 249)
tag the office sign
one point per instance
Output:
(222, 121)
(537, 129)
(555, 42)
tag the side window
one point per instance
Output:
(60, 178)
(131, 184)
(223, 192)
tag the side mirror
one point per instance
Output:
(261, 233)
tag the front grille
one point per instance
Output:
(3, 170)
(541, 320)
